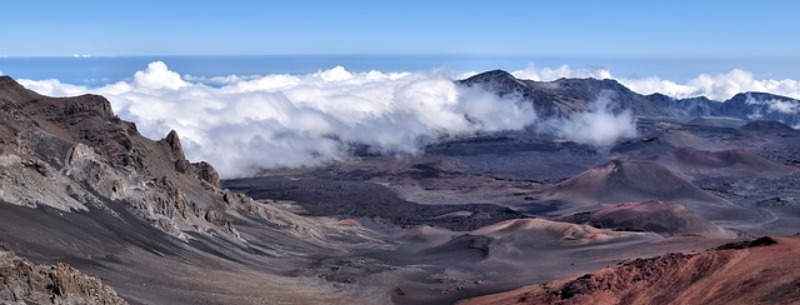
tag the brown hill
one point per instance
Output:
(619, 181)
(771, 127)
(660, 142)
(732, 162)
(754, 275)
(655, 216)
(521, 237)
(541, 231)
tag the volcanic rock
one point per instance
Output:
(22, 282)
(761, 275)
(76, 153)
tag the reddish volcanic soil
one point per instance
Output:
(755, 275)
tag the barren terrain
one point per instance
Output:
(469, 217)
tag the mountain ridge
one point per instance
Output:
(564, 96)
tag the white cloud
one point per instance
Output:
(598, 126)
(53, 87)
(783, 106)
(718, 87)
(158, 76)
(300, 120)
(550, 74)
(654, 84)
(776, 105)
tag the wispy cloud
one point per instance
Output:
(599, 126)
(776, 105)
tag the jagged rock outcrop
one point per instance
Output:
(202, 170)
(22, 282)
(77, 154)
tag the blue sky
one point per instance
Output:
(644, 29)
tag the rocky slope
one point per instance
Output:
(22, 282)
(77, 153)
(81, 186)
(721, 276)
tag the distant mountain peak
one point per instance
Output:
(496, 72)
(498, 80)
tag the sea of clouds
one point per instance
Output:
(245, 123)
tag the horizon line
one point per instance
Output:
(498, 55)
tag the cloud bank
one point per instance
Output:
(301, 120)
(244, 123)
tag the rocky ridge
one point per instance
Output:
(79, 155)
(720, 276)
(22, 282)
(562, 97)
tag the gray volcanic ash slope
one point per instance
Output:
(81, 186)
